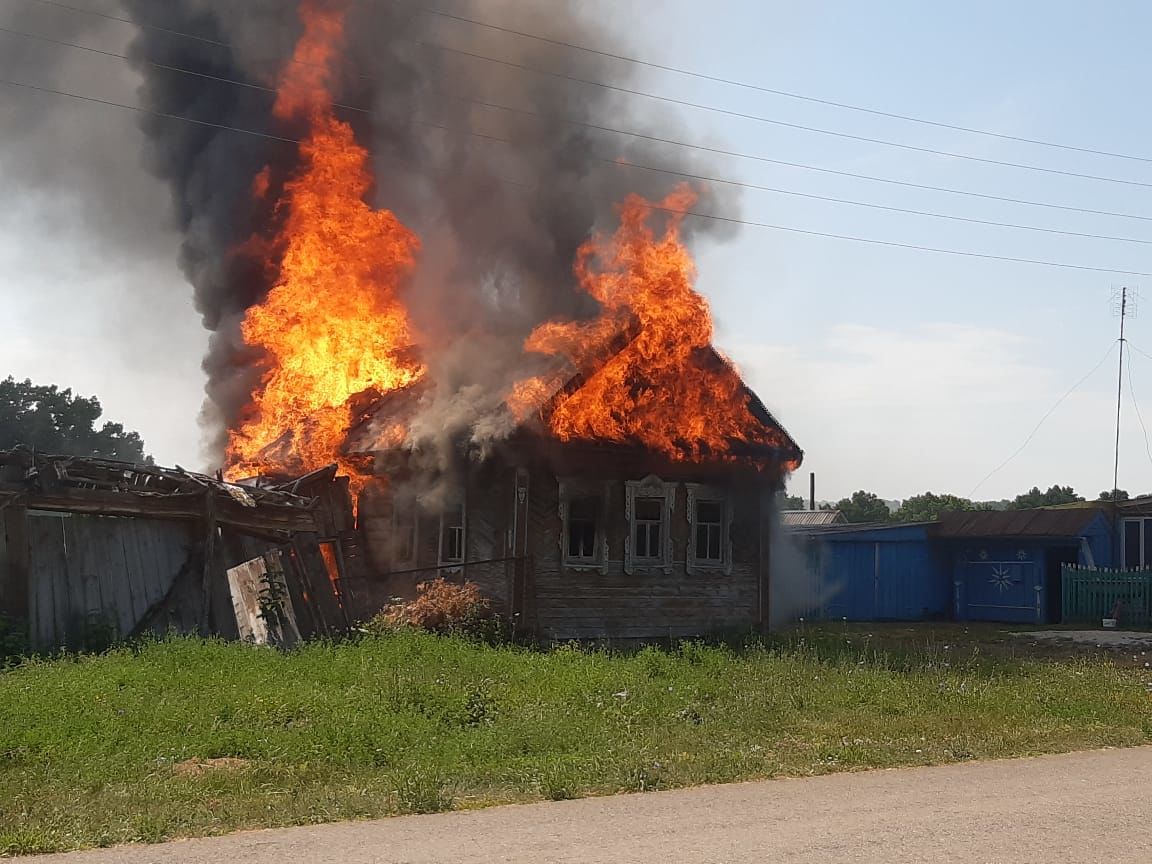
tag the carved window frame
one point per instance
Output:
(571, 488)
(650, 487)
(701, 492)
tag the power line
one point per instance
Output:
(775, 91)
(669, 100)
(1043, 420)
(873, 205)
(1139, 415)
(688, 213)
(619, 162)
(139, 110)
(109, 17)
(599, 127)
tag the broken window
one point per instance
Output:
(583, 523)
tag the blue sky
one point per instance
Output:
(897, 371)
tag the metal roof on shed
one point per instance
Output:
(811, 518)
(1042, 522)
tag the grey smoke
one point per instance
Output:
(500, 224)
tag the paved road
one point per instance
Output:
(1077, 809)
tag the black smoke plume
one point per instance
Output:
(502, 199)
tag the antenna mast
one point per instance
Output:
(1124, 305)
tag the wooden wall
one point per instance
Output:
(90, 572)
(556, 602)
(649, 603)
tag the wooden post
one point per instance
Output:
(14, 571)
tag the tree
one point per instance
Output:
(1120, 495)
(929, 506)
(791, 502)
(1053, 497)
(864, 507)
(56, 421)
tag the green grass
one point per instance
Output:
(96, 750)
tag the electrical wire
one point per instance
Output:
(608, 129)
(1043, 420)
(703, 76)
(620, 162)
(670, 100)
(1139, 416)
(687, 213)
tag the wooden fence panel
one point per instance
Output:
(1090, 595)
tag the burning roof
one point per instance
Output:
(344, 366)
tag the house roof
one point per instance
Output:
(1041, 522)
(811, 518)
(396, 410)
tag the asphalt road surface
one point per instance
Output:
(1085, 807)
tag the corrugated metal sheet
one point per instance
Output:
(1054, 522)
(811, 518)
(880, 573)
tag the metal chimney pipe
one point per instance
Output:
(812, 491)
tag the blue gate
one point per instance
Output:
(994, 586)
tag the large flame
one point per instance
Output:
(335, 335)
(333, 325)
(667, 389)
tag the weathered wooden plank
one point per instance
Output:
(80, 540)
(15, 589)
(132, 531)
(48, 580)
(178, 507)
(115, 585)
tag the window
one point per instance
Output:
(710, 522)
(583, 519)
(1137, 543)
(709, 531)
(452, 534)
(404, 532)
(647, 528)
(649, 505)
(582, 538)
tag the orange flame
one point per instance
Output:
(667, 390)
(333, 325)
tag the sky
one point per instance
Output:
(897, 371)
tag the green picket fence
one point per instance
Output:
(1091, 594)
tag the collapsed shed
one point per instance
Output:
(92, 551)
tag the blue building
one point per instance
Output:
(973, 566)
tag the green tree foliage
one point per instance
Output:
(57, 421)
(864, 507)
(929, 506)
(1054, 496)
(791, 502)
(1120, 495)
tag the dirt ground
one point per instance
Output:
(1129, 649)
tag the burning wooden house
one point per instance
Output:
(93, 551)
(585, 538)
(613, 478)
